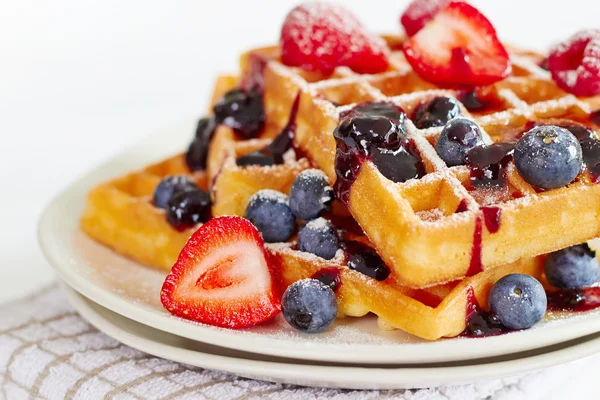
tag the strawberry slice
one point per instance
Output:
(321, 36)
(223, 277)
(420, 12)
(458, 47)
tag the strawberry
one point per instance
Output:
(420, 12)
(575, 63)
(458, 47)
(321, 36)
(223, 277)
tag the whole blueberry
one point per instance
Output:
(320, 238)
(255, 158)
(458, 137)
(436, 112)
(310, 194)
(242, 111)
(197, 153)
(573, 267)
(269, 211)
(548, 157)
(170, 186)
(519, 301)
(188, 208)
(309, 305)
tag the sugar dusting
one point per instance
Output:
(430, 215)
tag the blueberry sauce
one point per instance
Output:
(590, 149)
(379, 108)
(365, 260)
(480, 323)
(491, 217)
(462, 206)
(576, 300)
(472, 101)
(488, 164)
(330, 277)
(476, 266)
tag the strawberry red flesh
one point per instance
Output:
(458, 47)
(223, 277)
(575, 63)
(320, 36)
(419, 13)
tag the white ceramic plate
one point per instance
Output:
(253, 366)
(132, 290)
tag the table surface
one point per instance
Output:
(82, 79)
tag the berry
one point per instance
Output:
(242, 111)
(310, 195)
(437, 112)
(548, 157)
(188, 208)
(319, 238)
(573, 267)
(269, 211)
(223, 277)
(330, 276)
(575, 63)
(365, 260)
(257, 157)
(170, 186)
(197, 153)
(458, 137)
(309, 305)
(321, 36)
(420, 12)
(458, 47)
(519, 301)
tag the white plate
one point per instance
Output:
(267, 368)
(131, 290)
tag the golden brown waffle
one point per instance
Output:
(414, 225)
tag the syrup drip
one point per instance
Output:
(480, 323)
(575, 300)
(462, 206)
(595, 117)
(364, 259)
(476, 266)
(491, 217)
(330, 277)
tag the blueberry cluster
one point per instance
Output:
(274, 214)
(184, 202)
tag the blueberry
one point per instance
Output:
(268, 210)
(188, 208)
(319, 238)
(310, 195)
(170, 186)
(197, 153)
(548, 157)
(242, 111)
(437, 112)
(518, 300)
(309, 305)
(255, 158)
(573, 267)
(458, 137)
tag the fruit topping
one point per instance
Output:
(330, 277)
(310, 195)
(437, 112)
(309, 305)
(573, 267)
(420, 12)
(365, 260)
(488, 163)
(574, 300)
(590, 149)
(320, 36)
(259, 157)
(195, 158)
(188, 208)
(548, 157)
(458, 137)
(320, 238)
(575, 63)
(458, 47)
(269, 211)
(382, 109)
(222, 277)
(170, 186)
(242, 111)
(518, 300)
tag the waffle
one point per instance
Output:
(414, 225)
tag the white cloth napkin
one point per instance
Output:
(48, 351)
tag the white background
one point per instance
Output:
(81, 80)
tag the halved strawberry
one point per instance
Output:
(420, 12)
(458, 47)
(223, 277)
(320, 36)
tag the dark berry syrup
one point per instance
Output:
(488, 164)
(365, 260)
(330, 277)
(476, 266)
(491, 217)
(590, 147)
(480, 323)
(575, 300)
